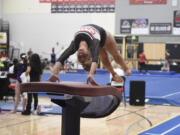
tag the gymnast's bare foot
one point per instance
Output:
(117, 78)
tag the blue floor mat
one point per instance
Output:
(45, 109)
(161, 87)
(169, 127)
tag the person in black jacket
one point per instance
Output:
(35, 72)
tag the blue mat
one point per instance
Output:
(80, 77)
(161, 87)
(45, 109)
(169, 127)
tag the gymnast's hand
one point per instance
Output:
(90, 80)
(54, 78)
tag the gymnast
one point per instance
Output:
(92, 42)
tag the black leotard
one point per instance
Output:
(95, 37)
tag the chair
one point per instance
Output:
(10, 86)
(118, 85)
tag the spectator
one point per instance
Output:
(166, 66)
(35, 71)
(130, 51)
(142, 62)
(21, 67)
(29, 53)
(53, 57)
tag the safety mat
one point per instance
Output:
(168, 127)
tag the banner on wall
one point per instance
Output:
(45, 1)
(125, 26)
(3, 37)
(176, 23)
(76, 1)
(142, 2)
(177, 18)
(160, 28)
(134, 26)
(99, 6)
(81, 6)
(140, 27)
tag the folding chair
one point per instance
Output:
(119, 85)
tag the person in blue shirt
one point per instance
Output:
(53, 57)
(21, 68)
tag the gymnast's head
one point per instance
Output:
(83, 53)
(84, 56)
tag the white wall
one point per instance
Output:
(33, 26)
(0, 9)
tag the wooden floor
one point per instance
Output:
(127, 120)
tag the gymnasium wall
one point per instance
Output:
(0, 9)
(162, 13)
(33, 26)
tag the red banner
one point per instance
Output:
(135, 2)
(77, 1)
(45, 1)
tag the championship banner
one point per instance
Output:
(140, 27)
(83, 6)
(177, 18)
(160, 28)
(134, 26)
(143, 2)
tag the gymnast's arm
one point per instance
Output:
(64, 56)
(94, 50)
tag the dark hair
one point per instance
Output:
(87, 65)
(15, 61)
(35, 63)
(23, 56)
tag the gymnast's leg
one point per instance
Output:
(17, 96)
(111, 47)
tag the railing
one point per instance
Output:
(133, 63)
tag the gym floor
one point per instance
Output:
(129, 120)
